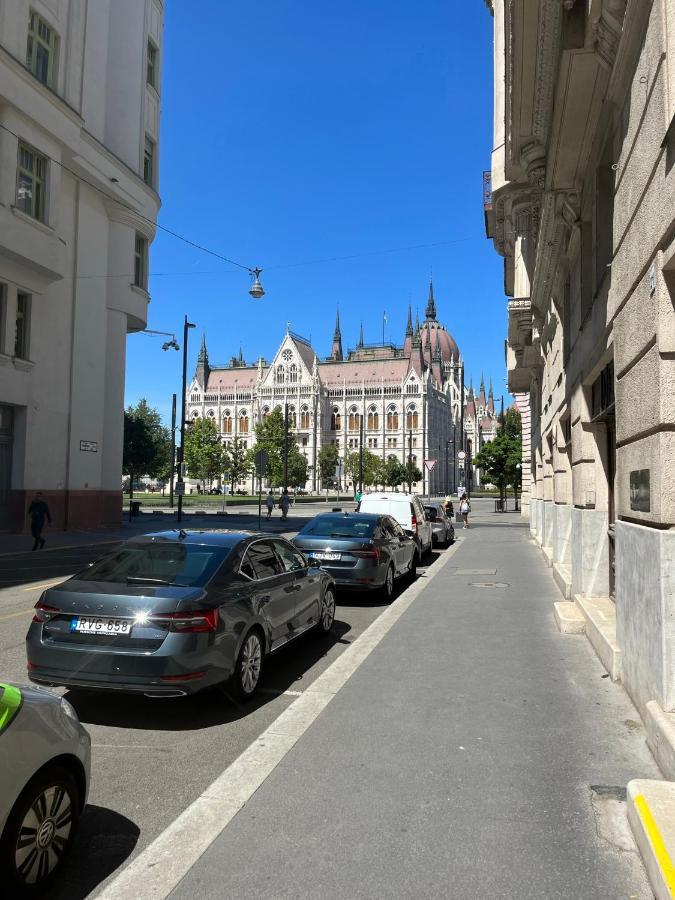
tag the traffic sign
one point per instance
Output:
(261, 459)
(429, 464)
(461, 456)
(180, 488)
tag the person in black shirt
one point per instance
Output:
(38, 511)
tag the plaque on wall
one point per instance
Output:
(639, 490)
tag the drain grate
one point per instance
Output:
(475, 572)
(489, 584)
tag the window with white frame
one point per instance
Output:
(41, 49)
(243, 422)
(31, 183)
(22, 326)
(392, 419)
(141, 262)
(149, 162)
(304, 417)
(293, 373)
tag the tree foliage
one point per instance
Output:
(237, 462)
(204, 455)
(270, 436)
(147, 443)
(371, 467)
(327, 460)
(500, 460)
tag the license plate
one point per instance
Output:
(98, 625)
(327, 556)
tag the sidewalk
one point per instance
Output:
(474, 754)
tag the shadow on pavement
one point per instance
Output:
(210, 707)
(105, 840)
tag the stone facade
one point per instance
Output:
(408, 396)
(79, 148)
(582, 211)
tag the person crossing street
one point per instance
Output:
(38, 512)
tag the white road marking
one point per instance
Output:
(38, 587)
(279, 693)
(172, 854)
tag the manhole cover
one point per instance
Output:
(489, 584)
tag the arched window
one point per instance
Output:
(412, 418)
(211, 414)
(304, 417)
(335, 419)
(195, 415)
(373, 421)
(292, 417)
(354, 423)
(392, 419)
(280, 374)
(243, 422)
(227, 422)
(293, 373)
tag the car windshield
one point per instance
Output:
(188, 565)
(327, 526)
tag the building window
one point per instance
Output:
(243, 422)
(293, 374)
(412, 418)
(292, 417)
(354, 422)
(41, 50)
(304, 441)
(392, 419)
(280, 374)
(141, 263)
(153, 54)
(373, 419)
(304, 417)
(392, 442)
(31, 185)
(227, 422)
(372, 443)
(22, 332)
(149, 162)
(335, 419)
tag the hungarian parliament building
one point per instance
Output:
(409, 398)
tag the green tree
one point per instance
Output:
(370, 467)
(236, 462)
(411, 473)
(380, 472)
(147, 443)
(395, 473)
(297, 467)
(204, 454)
(270, 436)
(500, 460)
(327, 460)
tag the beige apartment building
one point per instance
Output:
(79, 131)
(582, 209)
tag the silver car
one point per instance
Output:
(44, 781)
(442, 529)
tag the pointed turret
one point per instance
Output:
(437, 349)
(482, 400)
(241, 356)
(409, 327)
(361, 340)
(336, 351)
(203, 369)
(491, 401)
(431, 303)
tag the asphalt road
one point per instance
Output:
(152, 758)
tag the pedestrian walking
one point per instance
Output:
(284, 504)
(269, 502)
(449, 508)
(465, 509)
(38, 512)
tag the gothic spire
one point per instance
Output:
(437, 348)
(336, 351)
(337, 336)
(482, 383)
(203, 369)
(490, 395)
(241, 356)
(417, 323)
(427, 339)
(409, 328)
(203, 353)
(361, 341)
(431, 303)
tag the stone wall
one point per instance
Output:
(590, 552)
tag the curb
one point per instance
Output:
(651, 814)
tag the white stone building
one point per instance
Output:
(408, 396)
(79, 132)
(583, 212)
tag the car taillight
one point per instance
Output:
(414, 524)
(187, 622)
(44, 612)
(368, 553)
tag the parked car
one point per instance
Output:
(365, 551)
(44, 781)
(408, 512)
(172, 613)
(215, 491)
(442, 529)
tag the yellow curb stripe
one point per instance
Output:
(654, 835)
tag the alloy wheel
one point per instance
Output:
(327, 610)
(44, 834)
(251, 662)
(389, 582)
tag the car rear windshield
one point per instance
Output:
(188, 565)
(327, 526)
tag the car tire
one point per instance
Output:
(412, 571)
(248, 669)
(47, 812)
(387, 589)
(326, 612)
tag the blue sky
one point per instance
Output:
(297, 132)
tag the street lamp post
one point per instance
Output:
(361, 453)
(181, 451)
(285, 487)
(451, 490)
(173, 448)
(410, 461)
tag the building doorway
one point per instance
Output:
(611, 507)
(6, 441)
(602, 410)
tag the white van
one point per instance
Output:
(406, 509)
